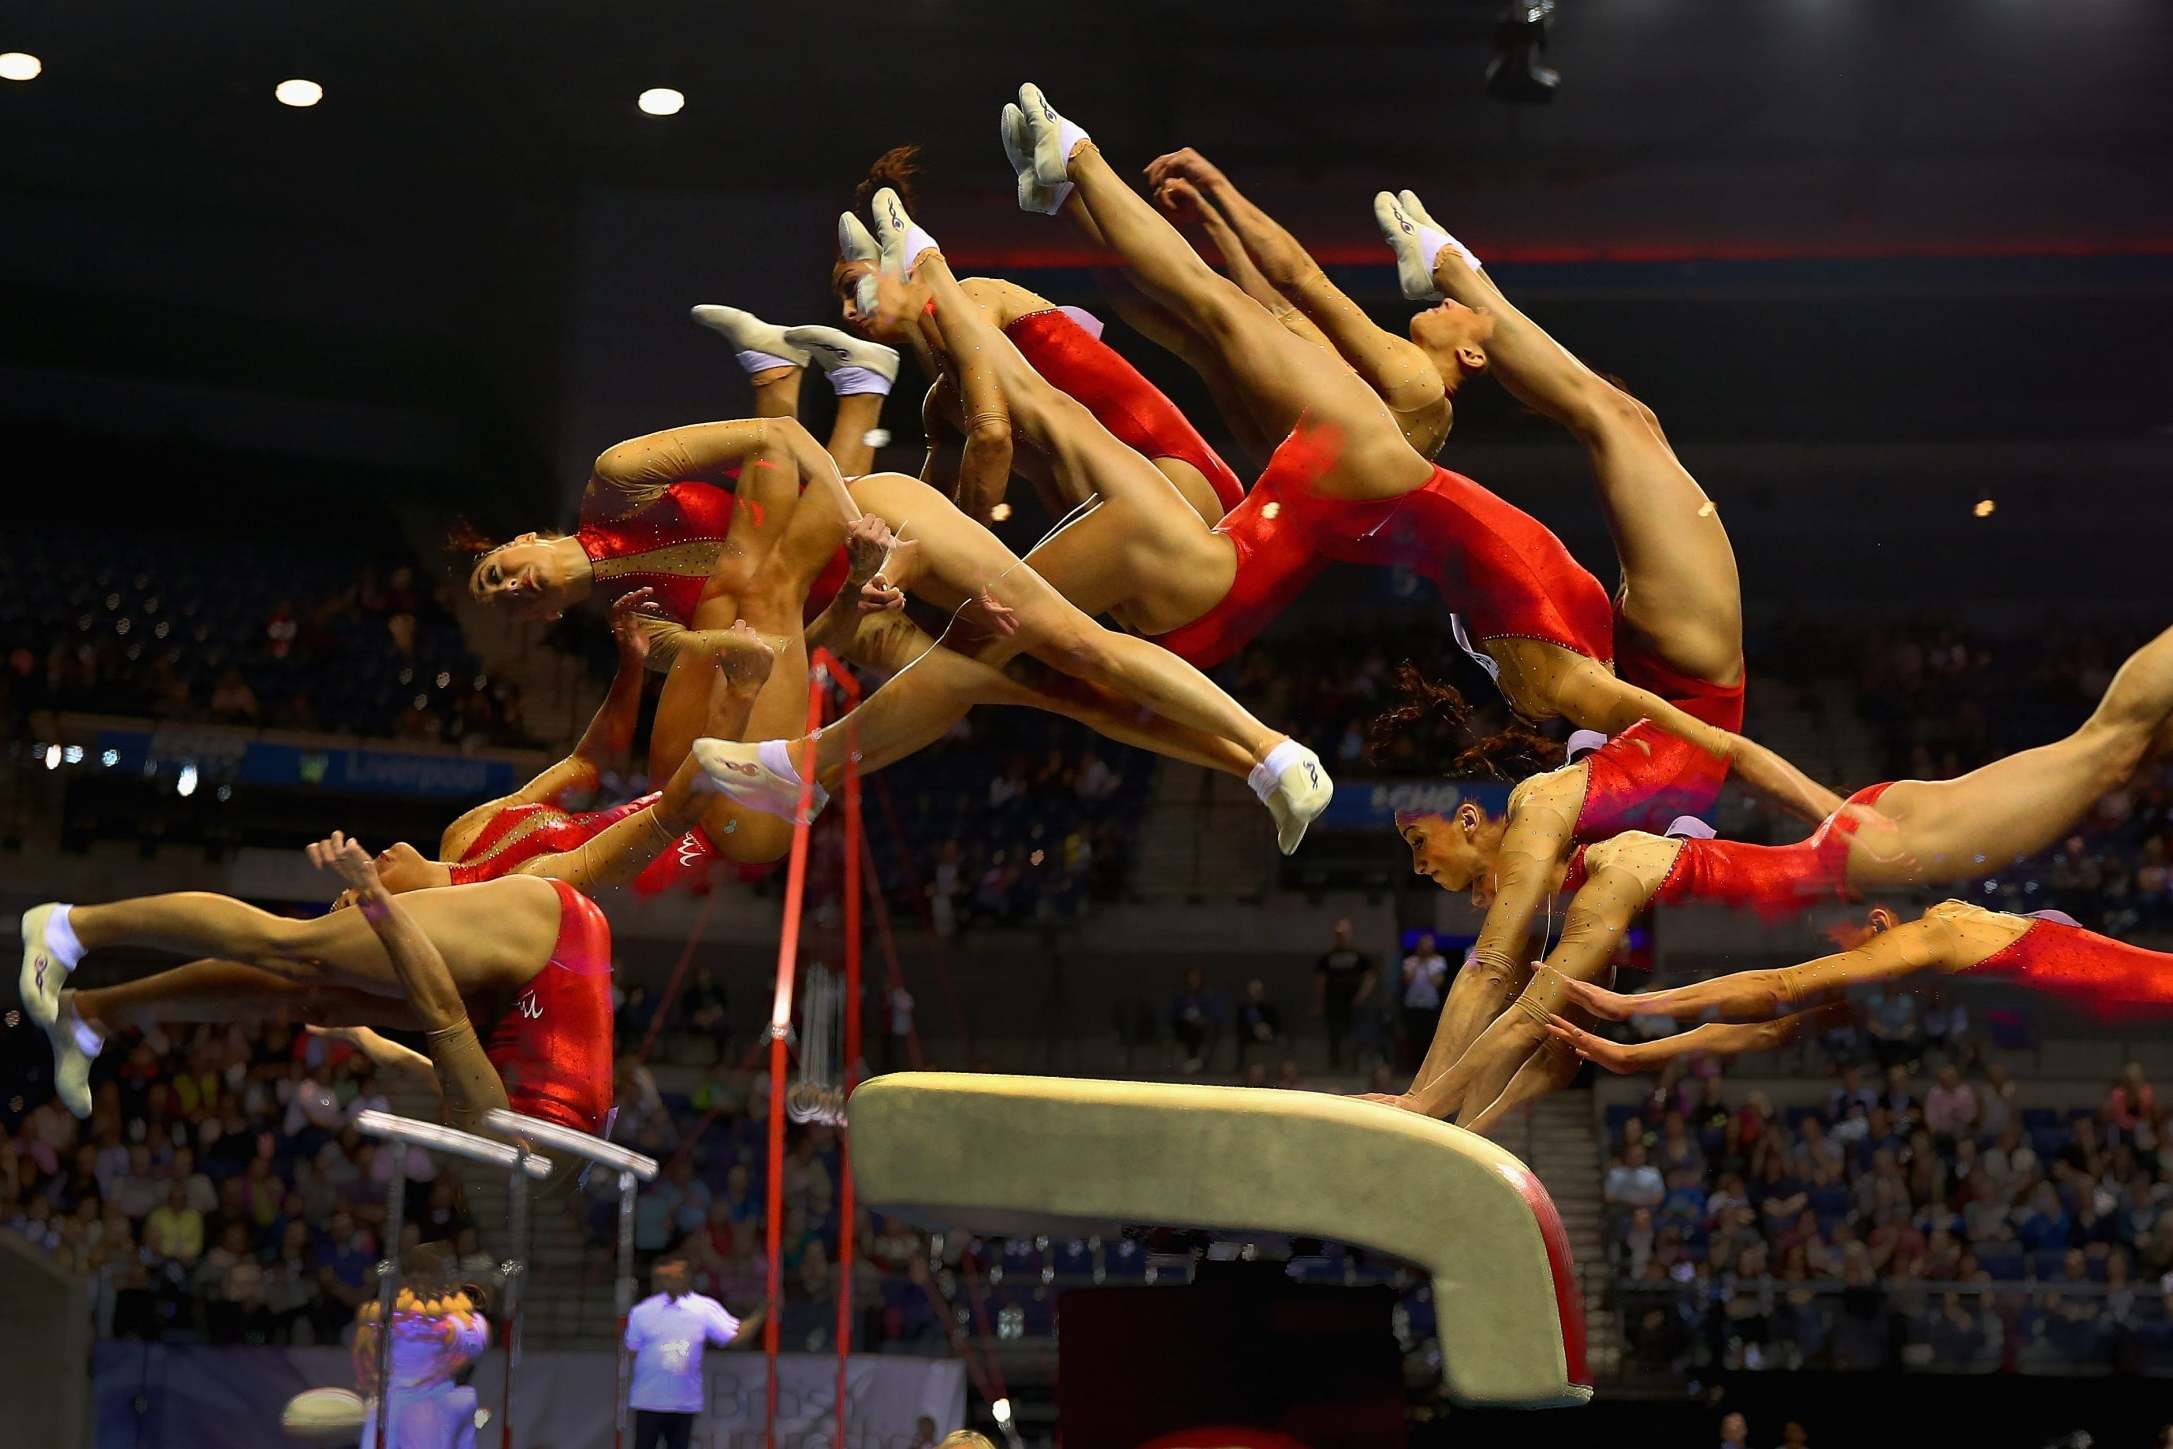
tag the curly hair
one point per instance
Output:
(896, 168)
(466, 539)
(1441, 719)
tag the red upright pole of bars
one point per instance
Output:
(788, 949)
(849, 691)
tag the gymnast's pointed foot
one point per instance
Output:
(759, 776)
(1018, 143)
(1409, 201)
(903, 241)
(855, 245)
(74, 1043)
(1295, 787)
(854, 364)
(1054, 137)
(761, 345)
(1416, 245)
(50, 952)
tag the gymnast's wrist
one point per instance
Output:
(374, 902)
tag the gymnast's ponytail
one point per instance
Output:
(1439, 721)
(898, 168)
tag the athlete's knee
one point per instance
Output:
(1076, 646)
(1596, 408)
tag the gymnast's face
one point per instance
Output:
(401, 868)
(897, 302)
(1446, 850)
(1454, 338)
(524, 575)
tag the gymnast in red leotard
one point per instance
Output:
(1140, 553)
(1903, 835)
(655, 517)
(1544, 626)
(529, 957)
(1062, 344)
(2044, 950)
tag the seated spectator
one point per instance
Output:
(175, 1230)
(1995, 1102)
(1684, 1206)
(1633, 1182)
(702, 1005)
(1950, 1107)
(1899, 1098)
(1891, 1023)
(1194, 1015)
(2130, 1103)
(1259, 1020)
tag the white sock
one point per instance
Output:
(852, 381)
(776, 757)
(1471, 258)
(60, 938)
(755, 361)
(917, 242)
(87, 1041)
(1268, 771)
(1070, 136)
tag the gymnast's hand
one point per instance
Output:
(1403, 1103)
(1589, 996)
(1598, 1050)
(867, 540)
(346, 859)
(1183, 164)
(1181, 200)
(628, 611)
(886, 588)
(987, 614)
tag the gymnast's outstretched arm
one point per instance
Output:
(984, 460)
(629, 475)
(468, 1085)
(1393, 366)
(1526, 873)
(1929, 944)
(1599, 913)
(1714, 1039)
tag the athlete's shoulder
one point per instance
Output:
(1636, 851)
(1545, 800)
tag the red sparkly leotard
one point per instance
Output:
(1135, 411)
(1646, 777)
(552, 1048)
(1509, 576)
(1773, 880)
(519, 833)
(671, 544)
(2057, 956)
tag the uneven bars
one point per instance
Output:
(436, 1137)
(572, 1141)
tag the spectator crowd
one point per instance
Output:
(1936, 1221)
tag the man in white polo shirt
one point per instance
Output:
(667, 1333)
